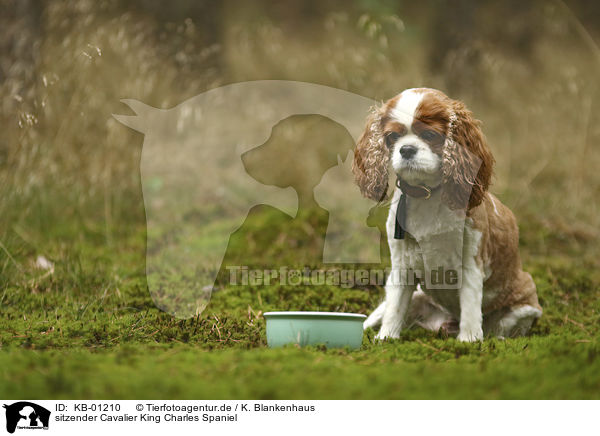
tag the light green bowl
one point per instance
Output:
(335, 330)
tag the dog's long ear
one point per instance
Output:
(371, 159)
(467, 161)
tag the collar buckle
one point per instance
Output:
(428, 190)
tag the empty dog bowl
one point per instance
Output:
(334, 330)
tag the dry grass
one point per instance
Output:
(538, 106)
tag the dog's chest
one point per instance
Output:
(434, 236)
(434, 247)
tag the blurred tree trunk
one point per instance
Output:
(20, 22)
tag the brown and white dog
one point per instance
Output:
(442, 215)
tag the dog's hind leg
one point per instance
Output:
(519, 317)
(517, 321)
(423, 312)
(426, 313)
(376, 317)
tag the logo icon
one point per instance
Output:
(209, 161)
(26, 415)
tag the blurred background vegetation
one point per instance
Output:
(69, 172)
(70, 191)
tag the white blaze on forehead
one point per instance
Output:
(406, 106)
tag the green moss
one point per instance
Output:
(91, 330)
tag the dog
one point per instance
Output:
(442, 215)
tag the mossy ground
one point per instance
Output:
(91, 330)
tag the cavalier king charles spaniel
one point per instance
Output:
(453, 245)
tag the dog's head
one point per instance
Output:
(430, 140)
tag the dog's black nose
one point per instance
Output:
(408, 151)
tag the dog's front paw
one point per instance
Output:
(470, 335)
(387, 333)
(382, 337)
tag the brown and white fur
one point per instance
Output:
(453, 159)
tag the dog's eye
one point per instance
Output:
(391, 138)
(430, 136)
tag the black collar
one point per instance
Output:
(419, 191)
(416, 191)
